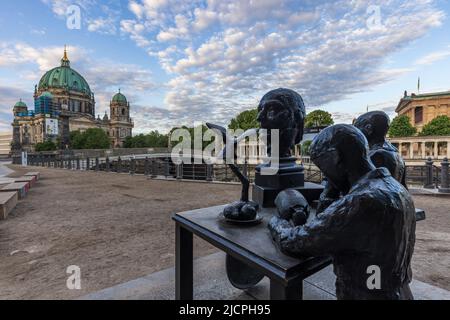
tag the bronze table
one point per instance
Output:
(250, 244)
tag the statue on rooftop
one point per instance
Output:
(372, 224)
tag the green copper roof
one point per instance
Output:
(64, 77)
(20, 104)
(119, 97)
(46, 94)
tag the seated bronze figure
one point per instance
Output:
(372, 224)
(375, 125)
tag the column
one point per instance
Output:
(423, 150)
(448, 149)
(435, 150)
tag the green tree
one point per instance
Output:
(401, 127)
(318, 118)
(305, 147)
(245, 120)
(46, 146)
(154, 139)
(93, 138)
(439, 126)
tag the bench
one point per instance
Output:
(8, 201)
(21, 188)
(30, 179)
(33, 174)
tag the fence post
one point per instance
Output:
(78, 163)
(88, 164)
(209, 172)
(180, 171)
(166, 167)
(154, 168)
(69, 164)
(132, 166)
(429, 174)
(445, 183)
(97, 164)
(146, 167)
(107, 164)
(119, 165)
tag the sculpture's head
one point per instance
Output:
(339, 151)
(283, 109)
(374, 125)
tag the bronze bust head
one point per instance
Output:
(283, 109)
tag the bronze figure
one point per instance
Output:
(372, 224)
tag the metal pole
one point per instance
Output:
(97, 164)
(88, 164)
(119, 165)
(107, 164)
(209, 172)
(429, 174)
(146, 167)
(445, 183)
(132, 166)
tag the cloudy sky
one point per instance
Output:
(186, 61)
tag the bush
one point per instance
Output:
(439, 126)
(93, 138)
(46, 146)
(401, 127)
(152, 140)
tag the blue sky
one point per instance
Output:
(186, 61)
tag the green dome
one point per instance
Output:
(20, 104)
(119, 97)
(64, 77)
(46, 94)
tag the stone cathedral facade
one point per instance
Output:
(64, 102)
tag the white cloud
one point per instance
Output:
(434, 57)
(224, 55)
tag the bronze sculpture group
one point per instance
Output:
(365, 216)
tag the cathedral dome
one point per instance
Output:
(120, 98)
(64, 77)
(20, 104)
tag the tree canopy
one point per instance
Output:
(154, 139)
(245, 120)
(401, 127)
(439, 126)
(318, 118)
(93, 138)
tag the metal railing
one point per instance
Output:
(161, 165)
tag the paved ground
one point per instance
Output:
(118, 228)
(211, 282)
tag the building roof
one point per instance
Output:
(119, 97)
(408, 98)
(64, 77)
(20, 104)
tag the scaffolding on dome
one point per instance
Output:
(45, 105)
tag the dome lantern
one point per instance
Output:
(65, 62)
